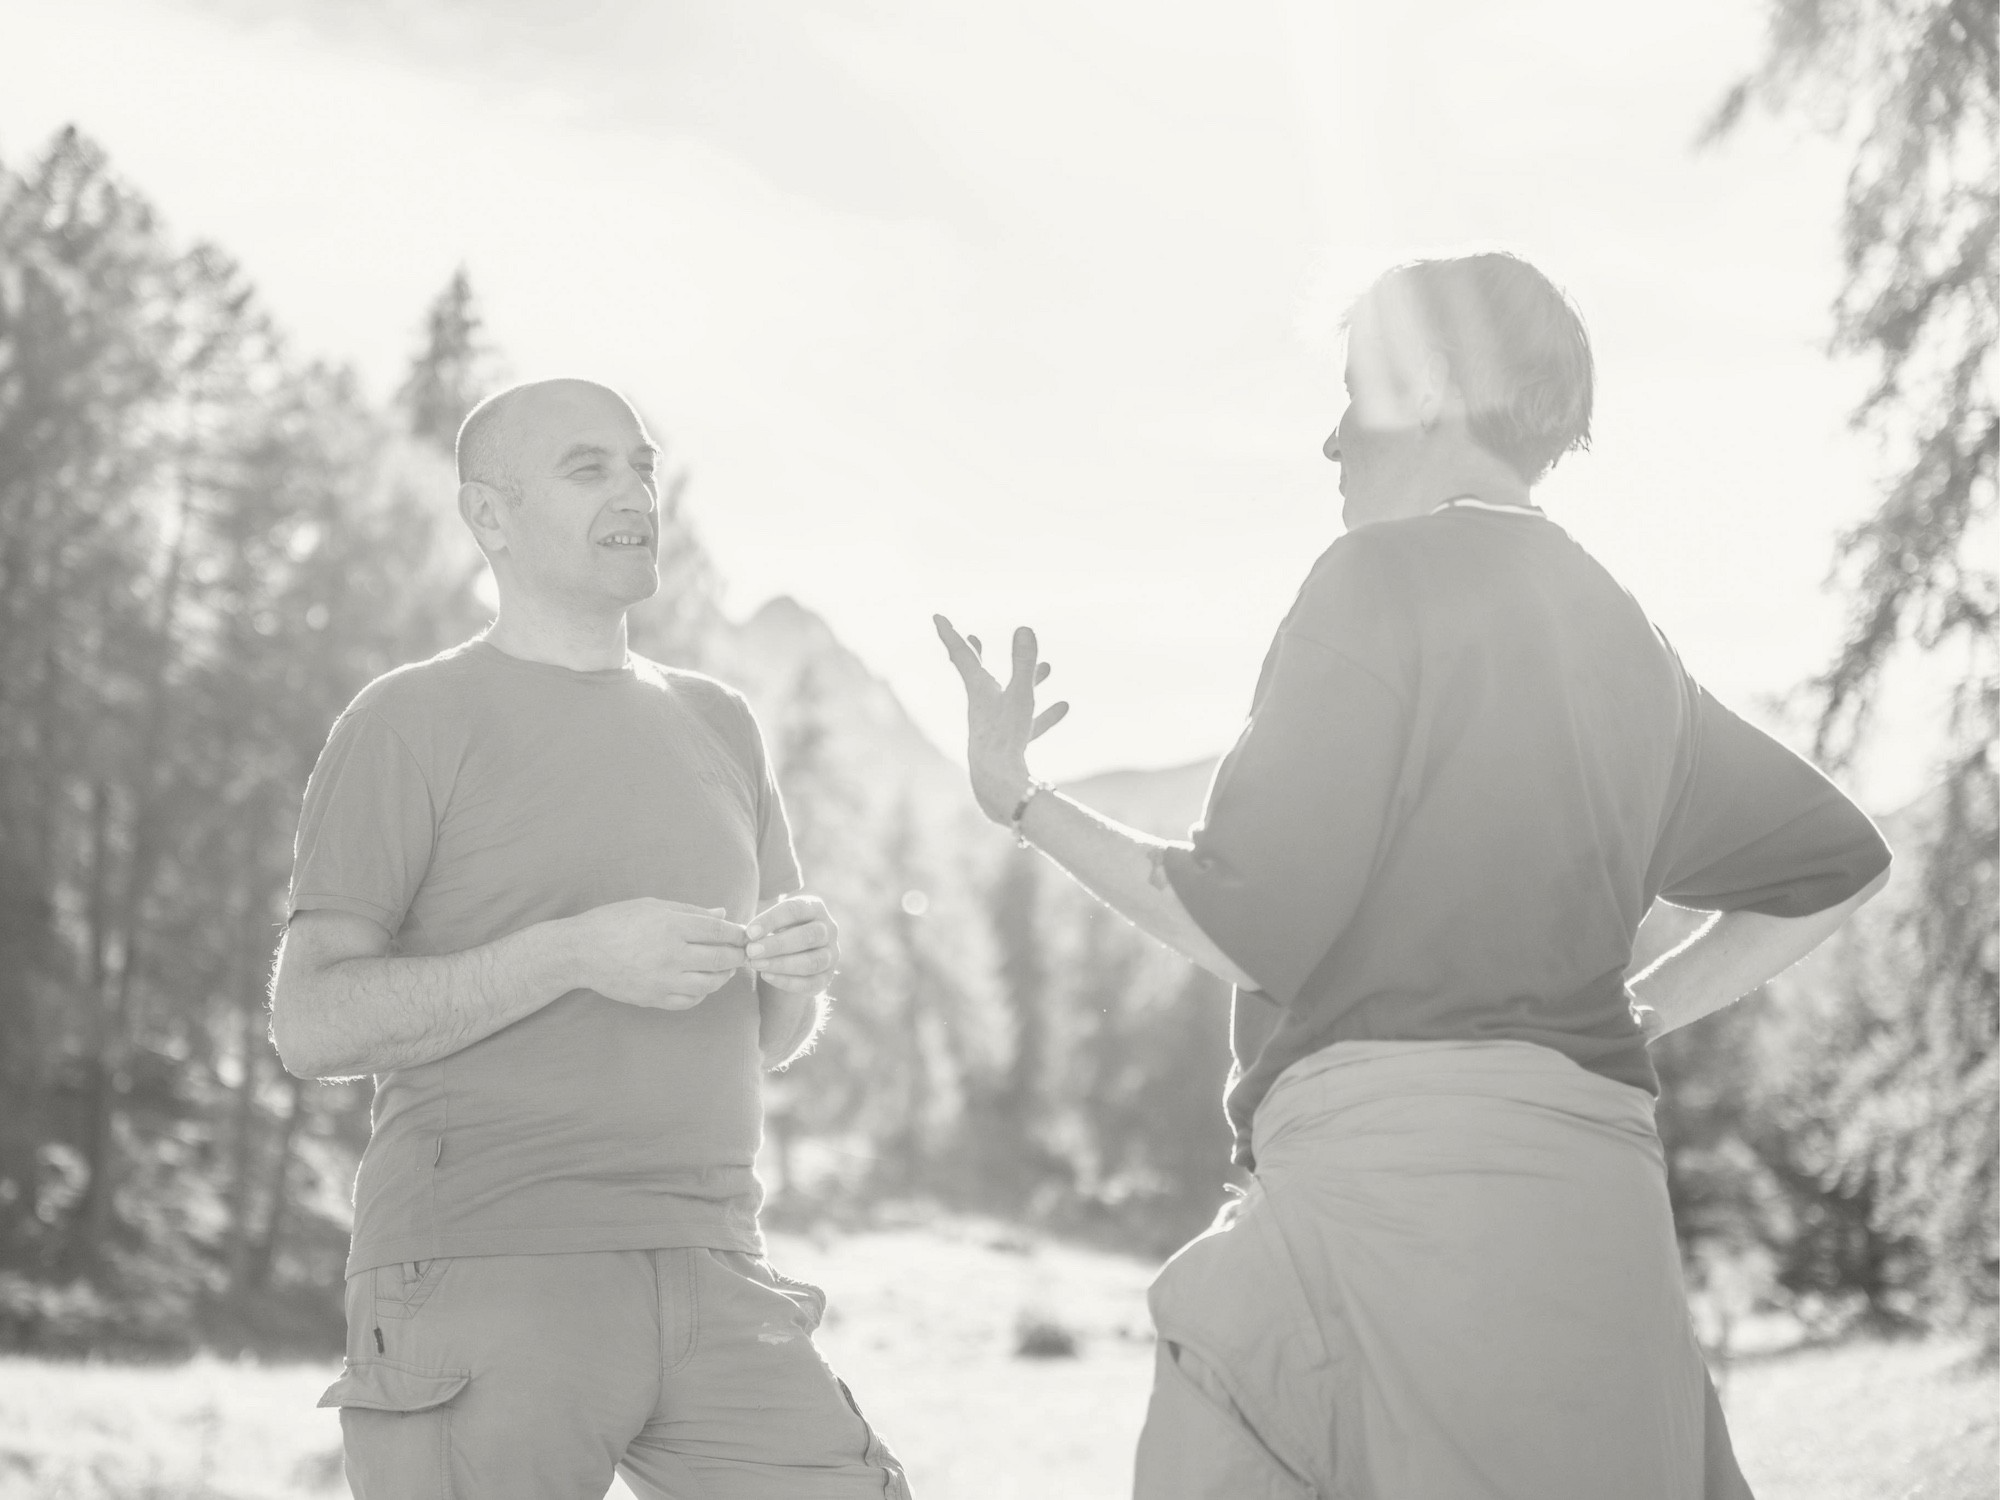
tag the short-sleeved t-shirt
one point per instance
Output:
(1470, 766)
(467, 797)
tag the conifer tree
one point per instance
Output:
(453, 370)
(203, 555)
(1916, 87)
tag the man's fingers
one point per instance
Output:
(712, 958)
(801, 965)
(795, 939)
(1047, 719)
(695, 911)
(1042, 674)
(786, 913)
(700, 981)
(697, 924)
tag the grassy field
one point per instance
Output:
(923, 1326)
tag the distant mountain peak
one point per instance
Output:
(782, 609)
(789, 660)
(781, 617)
(1164, 802)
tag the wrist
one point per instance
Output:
(999, 795)
(567, 955)
(1654, 999)
(1030, 794)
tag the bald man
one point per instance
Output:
(544, 892)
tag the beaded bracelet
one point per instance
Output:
(1014, 818)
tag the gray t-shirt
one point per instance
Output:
(1471, 764)
(466, 797)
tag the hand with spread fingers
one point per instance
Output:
(794, 945)
(1000, 721)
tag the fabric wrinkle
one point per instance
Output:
(1456, 1276)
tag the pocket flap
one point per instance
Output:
(384, 1385)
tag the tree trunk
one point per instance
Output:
(912, 1146)
(243, 1139)
(107, 1068)
(87, 1218)
(23, 932)
(276, 1188)
(30, 785)
(108, 1080)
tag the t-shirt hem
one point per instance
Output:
(365, 1256)
(1806, 896)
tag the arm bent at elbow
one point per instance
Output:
(1122, 868)
(1731, 956)
(342, 1004)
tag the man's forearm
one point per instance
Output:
(374, 1013)
(1121, 867)
(1730, 957)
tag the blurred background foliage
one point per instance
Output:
(208, 544)
(1894, 1099)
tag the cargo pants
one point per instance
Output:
(690, 1372)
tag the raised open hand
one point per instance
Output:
(1000, 721)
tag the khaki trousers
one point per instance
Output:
(534, 1377)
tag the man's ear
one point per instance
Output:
(481, 506)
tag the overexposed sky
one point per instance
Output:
(1026, 313)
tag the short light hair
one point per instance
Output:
(482, 451)
(1517, 350)
(485, 451)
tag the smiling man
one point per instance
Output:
(544, 891)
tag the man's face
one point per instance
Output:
(582, 532)
(1380, 435)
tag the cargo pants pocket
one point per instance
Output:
(395, 1427)
(403, 1287)
(809, 1299)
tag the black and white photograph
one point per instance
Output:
(896, 750)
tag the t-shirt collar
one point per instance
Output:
(1470, 502)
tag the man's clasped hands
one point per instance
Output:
(667, 955)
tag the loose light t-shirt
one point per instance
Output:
(467, 797)
(1470, 766)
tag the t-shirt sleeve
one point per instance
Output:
(368, 826)
(1760, 829)
(1297, 811)
(777, 865)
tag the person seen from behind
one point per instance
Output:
(1471, 765)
